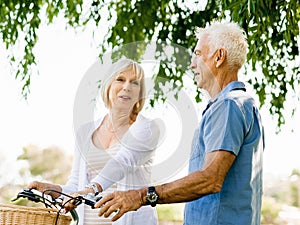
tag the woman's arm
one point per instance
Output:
(137, 148)
(72, 183)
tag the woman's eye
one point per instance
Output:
(135, 82)
(120, 79)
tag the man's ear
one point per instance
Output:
(220, 56)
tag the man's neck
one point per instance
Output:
(222, 80)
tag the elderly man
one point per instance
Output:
(224, 185)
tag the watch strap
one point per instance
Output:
(152, 196)
(94, 187)
(151, 189)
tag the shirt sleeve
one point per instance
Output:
(137, 150)
(72, 184)
(225, 128)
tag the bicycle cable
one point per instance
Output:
(78, 198)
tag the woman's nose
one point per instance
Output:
(126, 86)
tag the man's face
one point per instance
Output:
(202, 64)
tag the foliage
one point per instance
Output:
(272, 27)
(295, 188)
(295, 172)
(51, 164)
(173, 212)
(270, 211)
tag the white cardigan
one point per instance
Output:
(130, 168)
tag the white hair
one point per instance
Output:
(229, 36)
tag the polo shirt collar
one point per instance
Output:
(230, 87)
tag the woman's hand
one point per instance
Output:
(41, 187)
(70, 204)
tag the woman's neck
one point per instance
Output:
(117, 119)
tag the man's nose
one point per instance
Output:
(193, 63)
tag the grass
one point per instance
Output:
(170, 212)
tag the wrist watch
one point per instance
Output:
(152, 196)
(94, 187)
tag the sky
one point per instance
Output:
(46, 118)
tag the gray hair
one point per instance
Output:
(229, 36)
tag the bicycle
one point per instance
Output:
(58, 204)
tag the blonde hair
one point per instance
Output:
(229, 36)
(117, 68)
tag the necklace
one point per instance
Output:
(114, 130)
(109, 130)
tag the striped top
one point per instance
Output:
(96, 159)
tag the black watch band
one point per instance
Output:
(152, 196)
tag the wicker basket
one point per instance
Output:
(21, 215)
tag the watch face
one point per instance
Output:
(152, 197)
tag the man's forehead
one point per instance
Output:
(198, 46)
(201, 43)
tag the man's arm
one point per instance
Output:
(193, 186)
(202, 182)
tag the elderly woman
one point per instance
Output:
(116, 151)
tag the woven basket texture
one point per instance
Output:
(22, 215)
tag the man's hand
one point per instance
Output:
(120, 202)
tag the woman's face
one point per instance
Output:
(124, 90)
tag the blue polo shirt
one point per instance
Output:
(231, 122)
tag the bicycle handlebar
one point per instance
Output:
(49, 201)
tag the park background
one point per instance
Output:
(44, 123)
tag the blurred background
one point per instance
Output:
(36, 132)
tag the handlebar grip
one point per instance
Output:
(91, 200)
(77, 201)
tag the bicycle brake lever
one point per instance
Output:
(27, 193)
(90, 199)
(78, 200)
